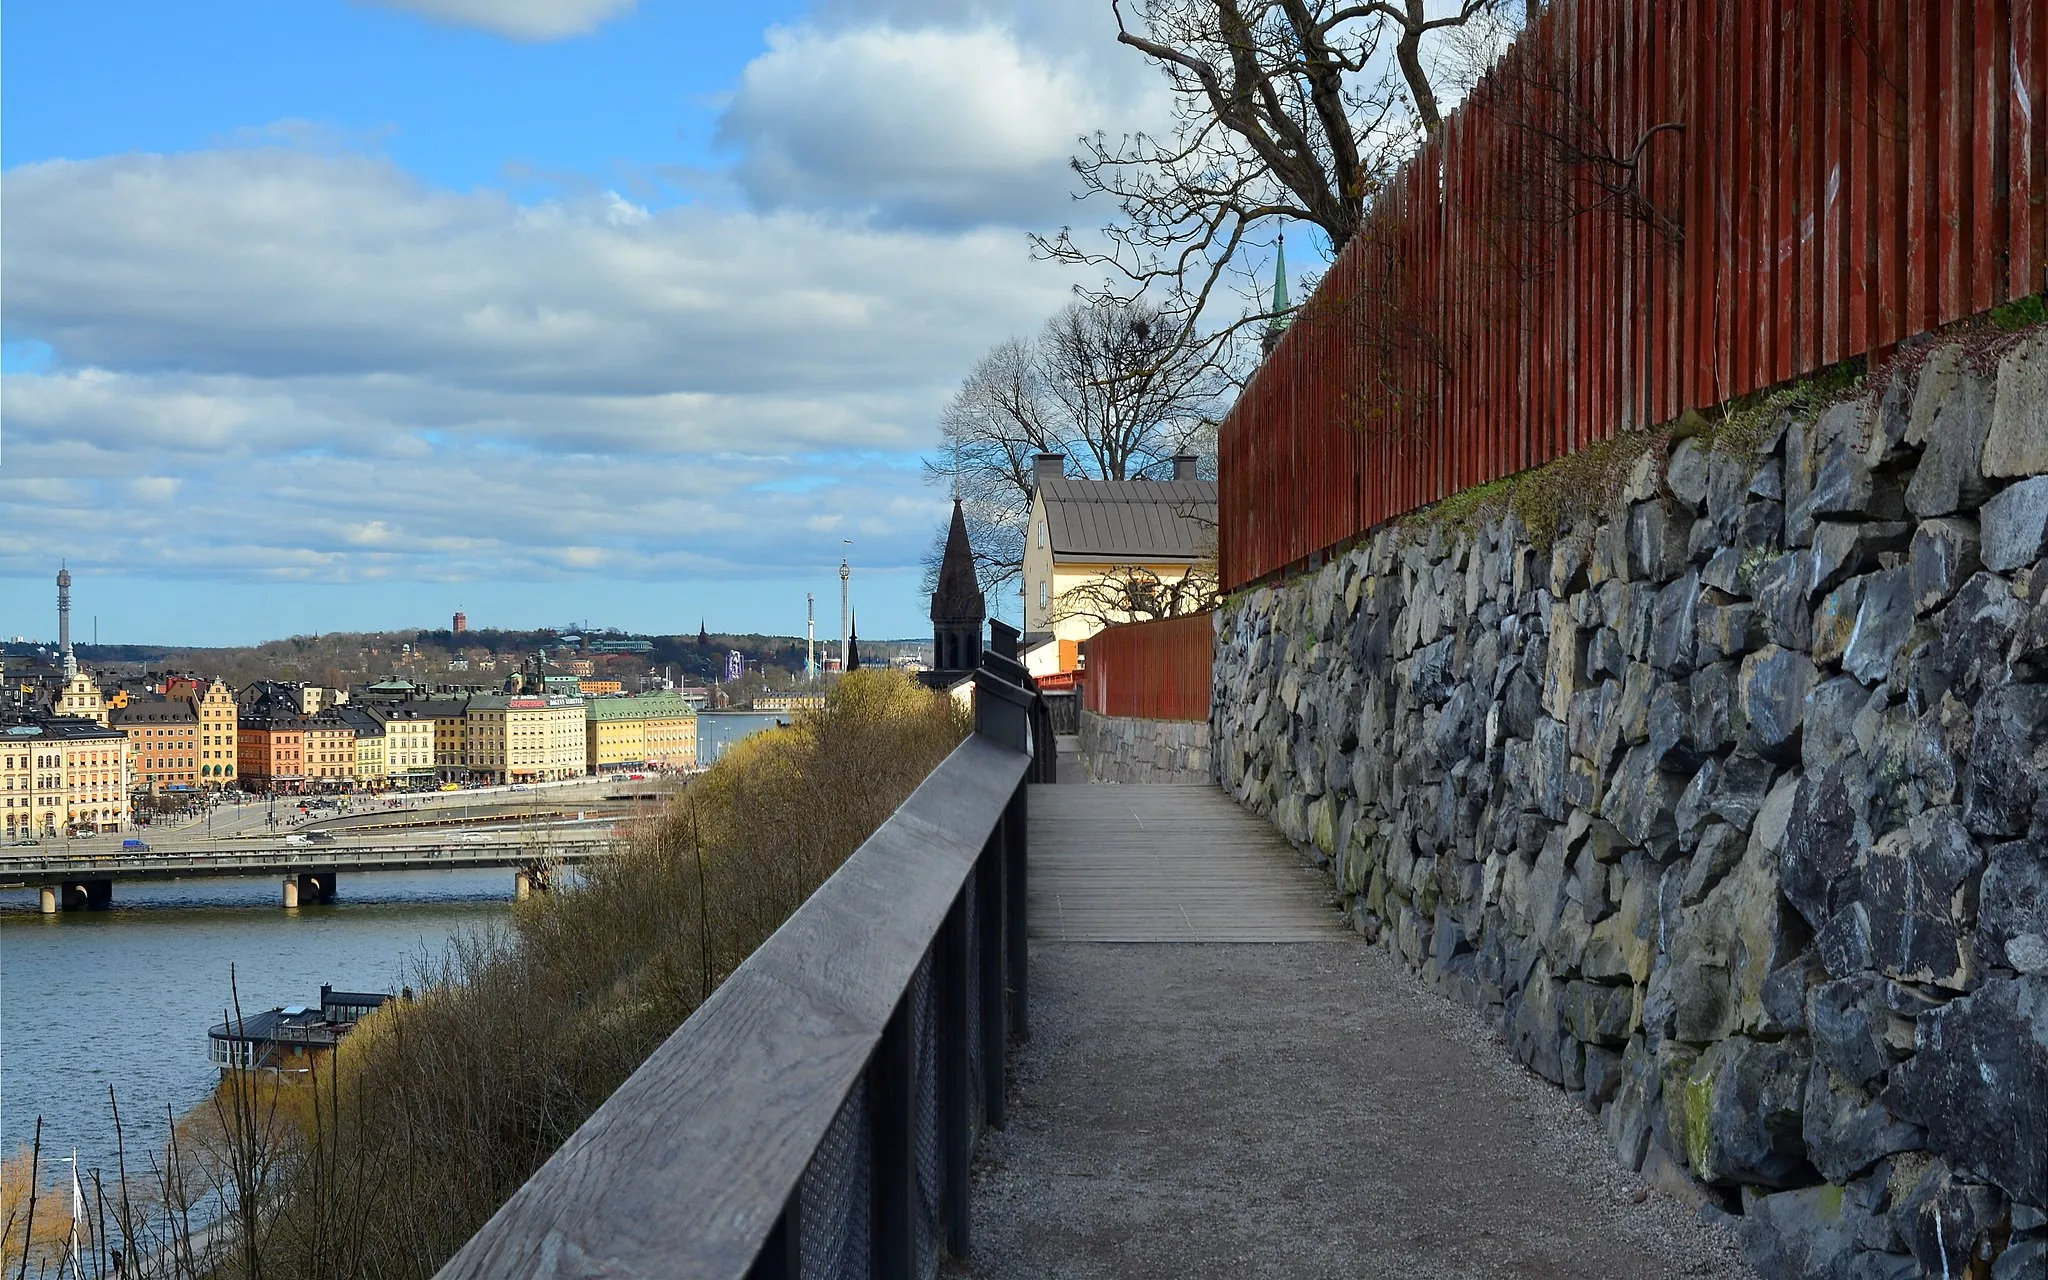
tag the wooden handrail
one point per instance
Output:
(692, 1168)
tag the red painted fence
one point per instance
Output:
(1152, 670)
(1842, 174)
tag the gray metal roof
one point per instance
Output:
(1130, 520)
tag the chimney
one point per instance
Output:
(1047, 466)
(1186, 466)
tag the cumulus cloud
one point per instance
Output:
(379, 378)
(519, 19)
(924, 125)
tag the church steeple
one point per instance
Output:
(853, 642)
(958, 609)
(1278, 324)
(703, 636)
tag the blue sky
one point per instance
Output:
(324, 316)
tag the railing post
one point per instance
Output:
(956, 1095)
(1016, 892)
(989, 883)
(892, 1181)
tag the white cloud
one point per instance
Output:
(352, 376)
(930, 124)
(519, 19)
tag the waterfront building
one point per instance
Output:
(372, 753)
(271, 752)
(60, 775)
(330, 753)
(450, 718)
(789, 702)
(291, 1038)
(408, 747)
(628, 731)
(599, 688)
(526, 738)
(217, 717)
(163, 740)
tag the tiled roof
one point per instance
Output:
(1130, 520)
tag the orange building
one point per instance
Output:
(163, 742)
(271, 753)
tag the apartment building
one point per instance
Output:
(654, 730)
(526, 738)
(408, 747)
(163, 740)
(217, 740)
(62, 775)
(372, 748)
(330, 753)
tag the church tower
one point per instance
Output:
(1281, 306)
(958, 610)
(853, 643)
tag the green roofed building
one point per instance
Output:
(630, 731)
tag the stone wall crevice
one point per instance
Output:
(1730, 808)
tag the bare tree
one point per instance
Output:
(1284, 110)
(1111, 385)
(1134, 593)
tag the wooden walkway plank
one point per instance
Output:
(1167, 863)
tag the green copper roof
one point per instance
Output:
(638, 706)
(1280, 302)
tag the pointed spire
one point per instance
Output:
(958, 598)
(1277, 325)
(853, 641)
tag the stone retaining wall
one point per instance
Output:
(1127, 749)
(1731, 807)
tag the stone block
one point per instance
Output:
(1782, 598)
(1917, 891)
(1772, 693)
(1949, 477)
(1944, 555)
(2006, 764)
(1884, 621)
(2018, 441)
(1721, 952)
(1686, 473)
(2012, 906)
(1845, 1132)
(1939, 374)
(1744, 1104)
(1675, 624)
(1845, 1022)
(1978, 1082)
(1834, 622)
(2015, 526)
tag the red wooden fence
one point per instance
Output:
(1843, 174)
(1153, 670)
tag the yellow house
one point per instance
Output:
(644, 729)
(408, 746)
(80, 698)
(1092, 545)
(330, 753)
(373, 771)
(217, 718)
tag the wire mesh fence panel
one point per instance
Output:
(925, 1117)
(834, 1204)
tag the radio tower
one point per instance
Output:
(64, 621)
(810, 635)
(845, 572)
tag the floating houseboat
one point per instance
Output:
(290, 1038)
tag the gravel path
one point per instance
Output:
(1296, 1110)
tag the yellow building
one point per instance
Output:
(526, 738)
(450, 718)
(643, 730)
(80, 698)
(373, 772)
(1091, 545)
(330, 754)
(62, 775)
(408, 746)
(217, 716)
(598, 688)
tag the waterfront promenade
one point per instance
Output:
(1222, 1081)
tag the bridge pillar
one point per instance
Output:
(78, 895)
(309, 887)
(527, 881)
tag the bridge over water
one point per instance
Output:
(309, 871)
(1079, 1031)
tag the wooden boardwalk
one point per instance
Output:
(1167, 864)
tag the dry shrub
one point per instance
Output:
(439, 1108)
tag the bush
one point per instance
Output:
(440, 1107)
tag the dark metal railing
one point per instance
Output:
(817, 1116)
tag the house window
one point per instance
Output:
(1044, 594)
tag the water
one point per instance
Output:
(717, 730)
(125, 996)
